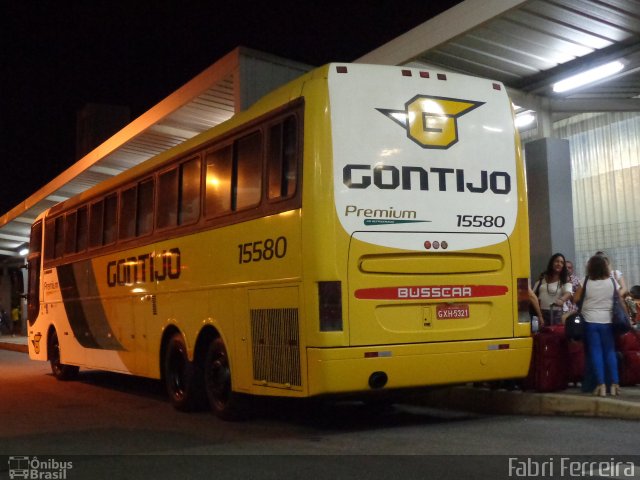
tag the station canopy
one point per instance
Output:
(230, 85)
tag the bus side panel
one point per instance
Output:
(218, 270)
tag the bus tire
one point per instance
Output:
(59, 370)
(224, 402)
(179, 374)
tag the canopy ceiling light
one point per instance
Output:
(588, 76)
(525, 118)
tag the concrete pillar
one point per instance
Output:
(548, 166)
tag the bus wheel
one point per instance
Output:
(179, 375)
(226, 404)
(60, 370)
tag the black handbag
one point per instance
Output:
(574, 326)
(619, 318)
(574, 322)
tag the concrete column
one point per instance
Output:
(548, 166)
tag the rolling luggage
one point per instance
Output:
(548, 369)
(575, 361)
(553, 316)
(628, 346)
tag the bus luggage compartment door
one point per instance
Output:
(415, 295)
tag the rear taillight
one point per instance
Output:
(523, 300)
(330, 300)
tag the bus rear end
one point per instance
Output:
(428, 276)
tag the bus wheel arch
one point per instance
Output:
(181, 377)
(59, 370)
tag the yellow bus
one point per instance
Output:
(363, 228)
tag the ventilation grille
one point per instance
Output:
(276, 346)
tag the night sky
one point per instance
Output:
(57, 56)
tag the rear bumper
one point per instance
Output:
(347, 370)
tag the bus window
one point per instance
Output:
(249, 171)
(218, 182)
(168, 201)
(95, 224)
(49, 230)
(144, 217)
(82, 230)
(70, 224)
(282, 159)
(127, 225)
(33, 297)
(189, 209)
(110, 219)
(58, 248)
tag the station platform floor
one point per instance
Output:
(569, 402)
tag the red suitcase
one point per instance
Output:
(547, 372)
(628, 346)
(629, 368)
(575, 361)
(629, 342)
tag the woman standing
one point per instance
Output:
(596, 309)
(615, 274)
(553, 289)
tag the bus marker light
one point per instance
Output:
(436, 245)
(502, 346)
(341, 69)
(384, 353)
(406, 73)
(427, 244)
(424, 74)
(442, 76)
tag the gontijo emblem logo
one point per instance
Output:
(431, 122)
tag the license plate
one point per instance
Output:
(446, 312)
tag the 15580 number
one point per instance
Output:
(262, 250)
(486, 221)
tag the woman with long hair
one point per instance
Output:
(597, 307)
(553, 288)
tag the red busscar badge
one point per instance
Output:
(431, 292)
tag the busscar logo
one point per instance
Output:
(431, 122)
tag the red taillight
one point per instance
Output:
(523, 294)
(330, 300)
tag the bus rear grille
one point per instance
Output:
(276, 346)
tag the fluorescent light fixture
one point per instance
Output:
(24, 252)
(524, 119)
(588, 76)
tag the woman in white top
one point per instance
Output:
(597, 306)
(553, 289)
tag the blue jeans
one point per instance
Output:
(602, 351)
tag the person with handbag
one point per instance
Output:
(615, 274)
(597, 309)
(553, 289)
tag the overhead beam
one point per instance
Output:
(578, 105)
(14, 238)
(449, 24)
(539, 103)
(9, 253)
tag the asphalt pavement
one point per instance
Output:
(569, 402)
